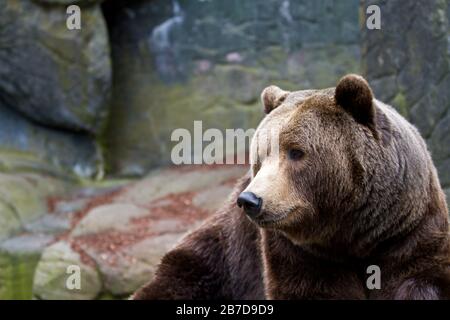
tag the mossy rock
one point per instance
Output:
(29, 147)
(400, 103)
(51, 276)
(16, 275)
(26, 194)
(10, 223)
(72, 67)
(18, 259)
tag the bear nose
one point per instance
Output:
(252, 204)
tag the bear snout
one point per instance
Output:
(251, 203)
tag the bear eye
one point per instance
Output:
(295, 154)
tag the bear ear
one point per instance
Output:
(353, 93)
(272, 97)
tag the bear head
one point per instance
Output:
(335, 167)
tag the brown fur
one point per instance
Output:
(364, 193)
(355, 96)
(272, 97)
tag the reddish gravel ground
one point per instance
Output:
(174, 205)
(111, 244)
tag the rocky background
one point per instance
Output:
(408, 65)
(86, 116)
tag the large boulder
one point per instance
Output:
(51, 276)
(176, 62)
(55, 76)
(54, 88)
(27, 146)
(23, 200)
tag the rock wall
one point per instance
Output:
(408, 64)
(168, 63)
(54, 84)
(173, 62)
(179, 61)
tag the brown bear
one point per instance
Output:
(351, 185)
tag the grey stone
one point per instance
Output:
(22, 195)
(163, 182)
(443, 168)
(408, 63)
(447, 194)
(114, 216)
(10, 223)
(25, 145)
(134, 266)
(212, 198)
(211, 60)
(70, 206)
(53, 75)
(51, 275)
(26, 244)
(50, 224)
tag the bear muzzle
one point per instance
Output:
(251, 203)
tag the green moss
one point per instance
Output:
(106, 183)
(10, 223)
(400, 103)
(272, 57)
(26, 193)
(16, 275)
(109, 296)
(16, 161)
